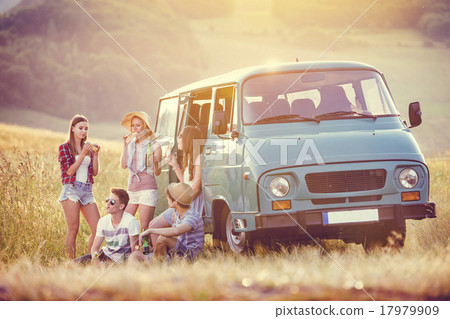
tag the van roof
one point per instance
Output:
(240, 75)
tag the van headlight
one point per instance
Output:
(279, 186)
(408, 178)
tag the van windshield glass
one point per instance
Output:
(315, 96)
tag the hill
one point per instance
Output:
(54, 58)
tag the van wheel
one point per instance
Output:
(391, 240)
(237, 242)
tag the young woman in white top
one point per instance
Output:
(142, 155)
(190, 142)
(79, 164)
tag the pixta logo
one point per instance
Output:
(284, 152)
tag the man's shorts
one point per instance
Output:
(148, 197)
(77, 192)
(181, 250)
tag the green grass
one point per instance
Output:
(34, 264)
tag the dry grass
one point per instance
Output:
(302, 274)
(34, 267)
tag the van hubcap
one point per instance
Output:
(236, 240)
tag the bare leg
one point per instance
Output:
(91, 214)
(163, 244)
(72, 214)
(145, 215)
(157, 222)
(137, 256)
(131, 209)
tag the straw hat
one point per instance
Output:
(181, 192)
(126, 120)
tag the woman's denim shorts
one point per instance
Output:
(77, 192)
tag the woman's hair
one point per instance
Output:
(191, 139)
(122, 194)
(75, 120)
(174, 200)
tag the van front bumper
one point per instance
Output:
(303, 219)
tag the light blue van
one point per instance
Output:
(301, 151)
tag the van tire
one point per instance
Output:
(219, 237)
(236, 242)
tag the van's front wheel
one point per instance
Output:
(237, 241)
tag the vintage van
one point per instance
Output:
(301, 151)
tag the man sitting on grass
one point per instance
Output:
(119, 229)
(186, 236)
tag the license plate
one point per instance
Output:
(351, 216)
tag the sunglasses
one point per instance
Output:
(111, 201)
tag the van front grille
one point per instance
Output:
(346, 181)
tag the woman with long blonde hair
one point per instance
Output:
(79, 164)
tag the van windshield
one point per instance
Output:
(315, 96)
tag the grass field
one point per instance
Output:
(34, 267)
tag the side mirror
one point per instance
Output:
(415, 114)
(219, 122)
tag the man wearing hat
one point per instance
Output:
(186, 236)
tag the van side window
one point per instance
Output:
(193, 114)
(166, 123)
(197, 113)
(235, 113)
(224, 102)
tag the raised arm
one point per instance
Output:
(172, 161)
(157, 157)
(197, 185)
(96, 163)
(123, 157)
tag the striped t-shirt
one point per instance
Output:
(117, 239)
(195, 238)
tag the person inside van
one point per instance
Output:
(190, 142)
(141, 154)
(185, 238)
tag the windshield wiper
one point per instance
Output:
(285, 117)
(342, 113)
